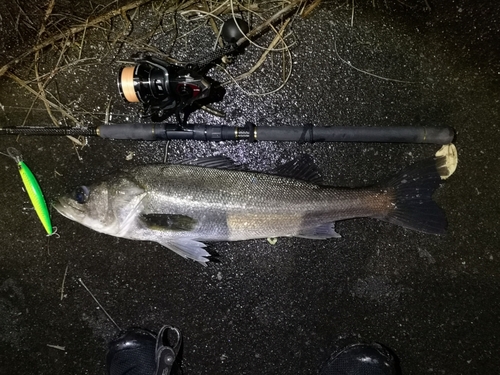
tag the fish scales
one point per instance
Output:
(236, 205)
(183, 206)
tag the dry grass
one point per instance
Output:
(61, 47)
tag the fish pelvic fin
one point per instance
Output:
(188, 248)
(413, 206)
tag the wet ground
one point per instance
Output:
(271, 309)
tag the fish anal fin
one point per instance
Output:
(320, 232)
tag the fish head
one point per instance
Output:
(109, 206)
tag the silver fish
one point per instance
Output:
(182, 206)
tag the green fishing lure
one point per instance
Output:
(33, 188)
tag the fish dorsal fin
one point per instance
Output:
(302, 168)
(219, 162)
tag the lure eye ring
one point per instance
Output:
(81, 194)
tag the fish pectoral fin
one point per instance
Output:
(188, 248)
(320, 232)
(168, 222)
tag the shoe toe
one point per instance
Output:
(132, 354)
(361, 359)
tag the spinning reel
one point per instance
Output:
(166, 89)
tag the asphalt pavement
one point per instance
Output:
(263, 308)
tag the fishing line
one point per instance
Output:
(165, 156)
(12, 153)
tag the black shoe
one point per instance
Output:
(140, 352)
(361, 359)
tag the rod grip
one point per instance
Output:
(145, 132)
(398, 134)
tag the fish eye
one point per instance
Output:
(81, 194)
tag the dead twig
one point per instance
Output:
(277, 38)
(58, 347)
(64, 277)
(352, 16)
(256, 31)
(72, 31)
(58, 106)
(41, 87)
(212, 23)
(308, 10)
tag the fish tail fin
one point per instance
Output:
(413, 205)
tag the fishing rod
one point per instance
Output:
(166, 89)
(249, 132)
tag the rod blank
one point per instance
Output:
(249, 132)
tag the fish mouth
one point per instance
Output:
(68, 210)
